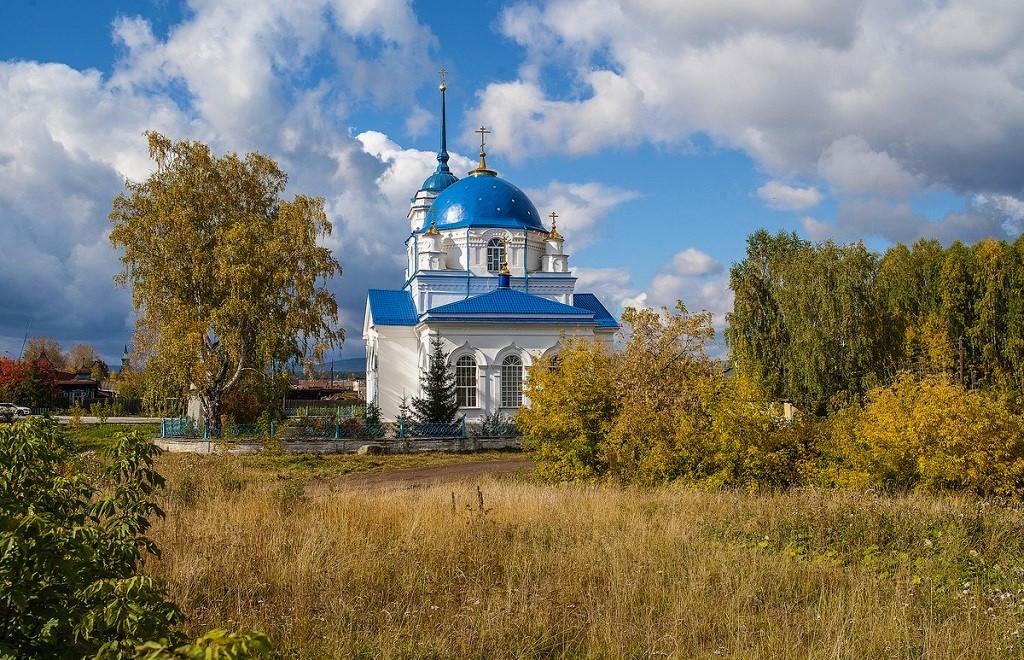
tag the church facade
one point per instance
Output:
(485, 275)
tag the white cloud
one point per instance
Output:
(696, 278)
(237, 75)
(898, 222)
(523, 121)
(614, 286)
(693, 276)
(853, 168)
(1007, 207)
(581, 208)
(782, 197)
(694, 263)
(877, 99)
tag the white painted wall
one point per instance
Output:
(402, 354)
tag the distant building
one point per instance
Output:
(77, 386)
(484, 274)
(340, 389)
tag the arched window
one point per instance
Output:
(512, 382)
(495, 254)
(465, 381)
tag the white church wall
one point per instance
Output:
(397, 368)
(490, 344)
(432, 289)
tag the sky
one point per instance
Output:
(662, 132)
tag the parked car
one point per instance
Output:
(10, 412)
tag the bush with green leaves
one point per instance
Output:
(106, 409)
(70, 552)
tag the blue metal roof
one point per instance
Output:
(391, 307)
(509, 306)
(601, 315)
(439, 180)
(483, 201)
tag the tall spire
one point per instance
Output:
(442, 176)
(442, 155)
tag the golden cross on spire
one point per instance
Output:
(554, 227)
(482, 167)
(443, 74)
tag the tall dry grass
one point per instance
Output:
(585, 571)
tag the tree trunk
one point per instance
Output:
(211, 410)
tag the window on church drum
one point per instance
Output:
(495, 252)
(512, 382)
(465, 381)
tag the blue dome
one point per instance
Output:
(483, 201)
(438, 181)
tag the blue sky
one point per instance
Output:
(662, 132)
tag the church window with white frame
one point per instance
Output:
(512, 382)
(495, 254)
(465, 381)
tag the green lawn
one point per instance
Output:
(95, 437)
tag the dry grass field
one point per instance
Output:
(331, 571)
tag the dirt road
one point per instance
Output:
(438, 474)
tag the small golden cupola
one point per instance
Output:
(553, 234)
(554, 259)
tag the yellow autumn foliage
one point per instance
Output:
(661, 410)
(658, 411)
(927, 434)
(573, 404)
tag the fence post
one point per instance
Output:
(163, 428)
(401, 427)
(273, 428)
(206, 430)
(337, 428)
(463, 426)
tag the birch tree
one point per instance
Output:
(225, 274)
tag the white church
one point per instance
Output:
(485, 275)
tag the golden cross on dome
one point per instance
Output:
(443, 74)
(482, 131)
(554, 227)
(482, 167)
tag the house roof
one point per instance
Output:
(391, 307)
(601, 314)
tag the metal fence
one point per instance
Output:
(298, 408)
(336, 428)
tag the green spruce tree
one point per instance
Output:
(438, 405)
